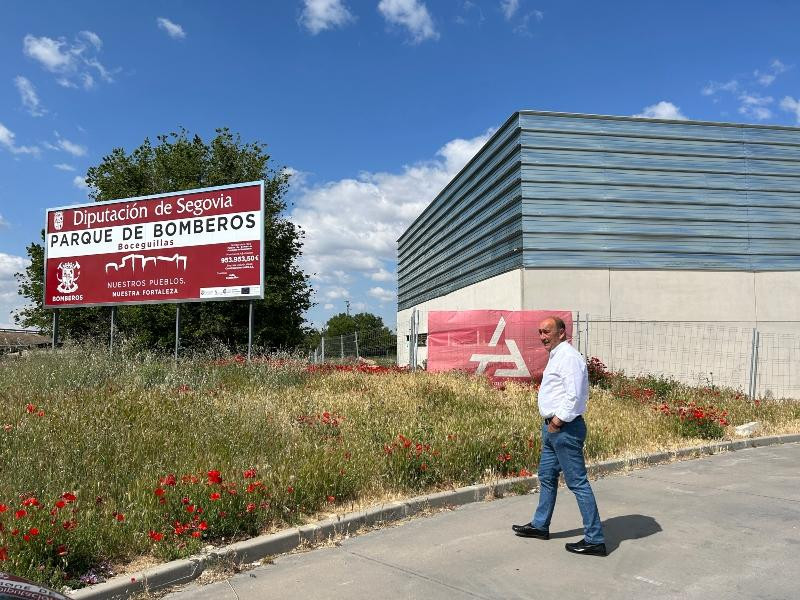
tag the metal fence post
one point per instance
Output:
(322, 339)
(587, 337)
(579, 330)
(358, 355)
(341, 347)
(750, 384)
(755, 365)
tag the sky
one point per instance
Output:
(371, 106)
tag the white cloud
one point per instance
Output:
(3, 222)
(65, 145)
(64, 167)
(509, 8)
(80, 182)
(352, 224)
(29, 97)
(7, 141)
(411, 14)
(173, 30)
(336, 293)
(319, 15)
(382, 294)
(792, 105)
(767, 77)
(328, 306)
(10, 300)
(71, 62)
(714, 87)
(382, 275)
(662, 110)
(755, 106)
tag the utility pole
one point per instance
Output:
(347, 304)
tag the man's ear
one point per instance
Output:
(562, 335)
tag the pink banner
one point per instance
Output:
(501, 344)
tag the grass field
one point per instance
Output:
(105, 459)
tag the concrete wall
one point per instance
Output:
(696, 326)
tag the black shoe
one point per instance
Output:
(530, 531)
(583, 548)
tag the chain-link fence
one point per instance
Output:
(760, 361)
(376, 345)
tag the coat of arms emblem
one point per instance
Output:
(68, 277)
(58, 220)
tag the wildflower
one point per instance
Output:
(196, 534)
(32, 501)
(120, 517)
(214, 477)
(168, 480)
(525, 473)
(61, 550)
(3, 553)
(250, 507)
(423, 467)
(202, 525)
(215, 496)
(189, 479)
(190, 508)
(40, 413)
(249, 474)
(3, 508)
(331, 499)
(290, 490)
(30, 408)
(156, 536)
(60, 504)
(20, 513)
(159, 491)
(33, 531)
(69, 497)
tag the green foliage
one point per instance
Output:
(179, 162)
(662, 385)
(706, 429)
(344, 324)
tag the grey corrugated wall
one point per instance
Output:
(583, 191)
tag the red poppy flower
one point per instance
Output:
(33, 531)
(196, 534)
(251, 488)
(331, 499)
(3, 553)
(249, 473)
(214, 496)
(60, 504)
(290, 489)
(189, 479)
(26, 537)
(29, 408)
(32, 501)
(3, 508)
(250, 507)
(202, 525)
(159, 491)
(20, 513)
(61, 550)
(168, 480)
(120, 517)
(69, 525)
(190, 508)
(156, 536)
(40, 413)
(214, 477)
(69, 496)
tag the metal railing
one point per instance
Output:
(373, 344)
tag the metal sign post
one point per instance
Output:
(55, 328)
(177, 329)
(111, 335)
(250, 331)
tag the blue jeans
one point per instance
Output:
(563, 450)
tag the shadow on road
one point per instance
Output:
(619, 529)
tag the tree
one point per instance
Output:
(344, 324)
(179, 162)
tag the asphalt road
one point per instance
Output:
(723, 526)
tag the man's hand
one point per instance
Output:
(554, 425)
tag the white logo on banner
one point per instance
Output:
(144, 260)
(514, 356)
(58, 220)
(68, 278)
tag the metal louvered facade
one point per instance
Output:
(568, 191)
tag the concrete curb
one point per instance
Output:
(248, 551)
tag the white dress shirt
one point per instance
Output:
(565, 384)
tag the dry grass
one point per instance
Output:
(319, 444)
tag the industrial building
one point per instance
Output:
(677, 239)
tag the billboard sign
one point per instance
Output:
(501, 344)
(190, 246)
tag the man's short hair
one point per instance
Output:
(559, 323)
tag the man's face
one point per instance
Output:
(550, 335)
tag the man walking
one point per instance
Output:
(562, 402)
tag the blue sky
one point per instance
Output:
(372, 105)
